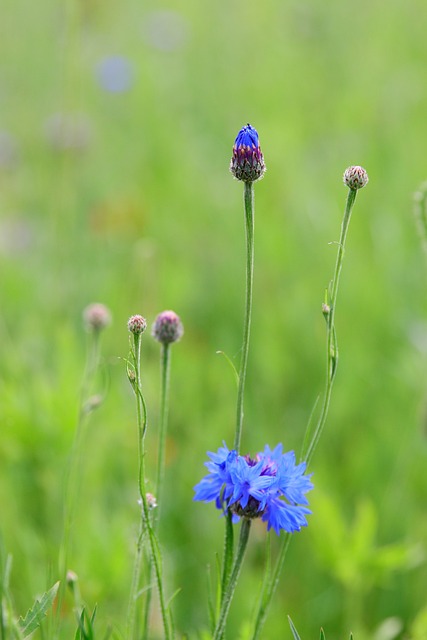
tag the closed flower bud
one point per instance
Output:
(247, 162)
(167, 327)
(355, 177)
(137, 325)
(96, 316)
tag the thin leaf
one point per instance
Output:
(39, 609)
(294, 631)
(236, 375)
(322, 635)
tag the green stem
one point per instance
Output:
(228, 553)
(231, 586)
(331, 342)
(146, 523)
(269, 588)
(165, 360)
(249, 226)
(249, 217)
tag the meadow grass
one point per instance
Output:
(146, 217)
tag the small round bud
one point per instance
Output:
(96, 316)
(326, 309)
(355, 177)
(167, 327)
(247, 162)
(71, 577)
(137, 325)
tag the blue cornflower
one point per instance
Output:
(247, 162)
(270, 486)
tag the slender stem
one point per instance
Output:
(331, 341)
(249, 217)
(165, 360)
(227, 570)
(269, 588)
(146, 523)
(231, 586)
(228, 553)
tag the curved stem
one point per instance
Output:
(249, 217)
(231, 586)
(146, 523)
(331, 342)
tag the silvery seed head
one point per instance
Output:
(247, 162)
(355, 177)
(137, 325)
(167, 327)
(96, 316)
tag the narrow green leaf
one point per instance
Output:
(322, 635)
(236, 375)
(294, 631)
(39, 609)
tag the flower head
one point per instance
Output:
(96, 316)
(355, 177)
(247, 162)
(167, 327)
(270, 486)
(137, 324)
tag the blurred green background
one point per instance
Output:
(117, 123)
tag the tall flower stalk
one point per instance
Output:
(355, 178)
(247, 165)
(250, 227)
(167, 329)
(137, 326)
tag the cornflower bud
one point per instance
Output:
(355, 177)
(167, 327)
(96, 316)
(137, 325)
(247, 162)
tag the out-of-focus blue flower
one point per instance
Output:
(247, 161)
(270, 486)
(115, 74)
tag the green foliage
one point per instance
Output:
(297, 637)
(38, 611)
(350, 551)
(294, 631)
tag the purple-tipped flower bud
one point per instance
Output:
(355, 177)
(167, 327)
(137, 325)
(96, 316)
(247, 162)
